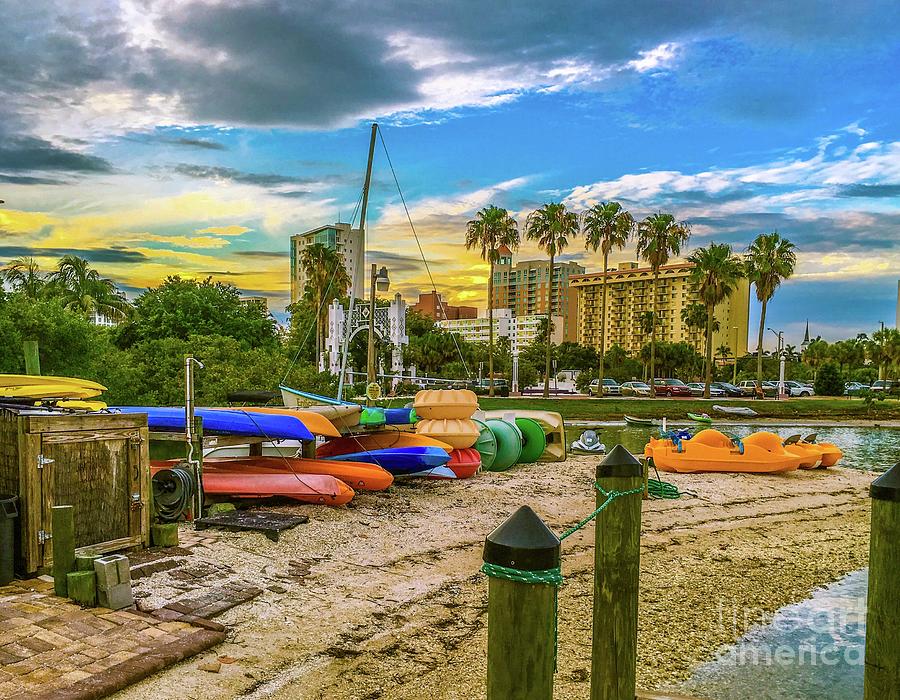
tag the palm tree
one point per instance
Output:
(716, 273)
(327, 279)
(607, 226)
(551, 226)
(24, 276)
(770, 260)
(694, 317)
(660, 236)
(84, 291)
(491, 229)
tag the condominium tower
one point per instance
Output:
(522, 331)
(629, 294)
(525, 289)
(347, 241)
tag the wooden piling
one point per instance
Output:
(616, 573)
(882, 672)
(521, 614)
(63, 541)
(32, 357)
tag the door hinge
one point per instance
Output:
(43, 461)
(43, 536)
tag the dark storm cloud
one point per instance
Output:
(871, 191)
(109, 255)
(205, 144)
(24, 153)
(396, 262)
(27, 180)
(212, 172)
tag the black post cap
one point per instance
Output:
(619, 462)
(887, 486)
(523, 542)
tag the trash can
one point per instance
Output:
(8, 514)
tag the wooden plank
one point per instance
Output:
(110, 546)
(145, 486)
(209, 440)
(84, 421)
(32, 356)
(63, 545)
(31, 515)
(90, 436)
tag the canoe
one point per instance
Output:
(631, 420)
(13, 380)
(735, 410)
(712, 451)
(316, 423)
(359, 476)
(699, 417)
(401, 460)
(49, 391)
(232, 422)
(554, 431)
(377, 441)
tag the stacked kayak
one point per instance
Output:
(446, 415)
(47, 387)
(399, 461)
(226, 421)
(712, 451)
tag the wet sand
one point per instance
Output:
(393, 605)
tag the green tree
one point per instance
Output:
(326, 280)
(491, 229)
(551, 226)
(607, 227)
(23, 275)
(716, 273)
(770, 260)
(829, 381)
(660, 237)
(84, 291)
(693, 316)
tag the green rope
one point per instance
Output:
(610, 497)
(549, 577)
(657, 488)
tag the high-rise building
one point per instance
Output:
(525, 288)
(433, 306)
(349, 242)
(521, 330)
(629, 295)
(260, 301)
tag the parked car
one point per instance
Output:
(697, 389)
(610, 388)
(729, 389)
(635, 389)
(670, 387)
(890, 386)
(855, 388)
(792, 388)
(748, 386)
(482, 387)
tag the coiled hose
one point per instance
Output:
(173, 493)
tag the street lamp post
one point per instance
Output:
(380, 283)
(881, 358)
(780, 336)
(734, 373)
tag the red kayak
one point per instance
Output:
(464, 462)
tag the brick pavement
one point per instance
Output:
(51, 648)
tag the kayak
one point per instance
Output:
(359, 476)
(712, 451)
(377, 441)
(631, 420)
(699, 417)
(230, 421)
(13, 380)
(735, 410)
(49, 391)
(316, 423)
(401, 460)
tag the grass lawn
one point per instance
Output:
(614, 409)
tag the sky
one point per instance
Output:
(160, 137)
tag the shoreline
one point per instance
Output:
(393, 605)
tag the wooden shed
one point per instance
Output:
(96, 462)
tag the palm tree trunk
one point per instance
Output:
(759, 342)
(709, 330)
(602, 328)
(549, 323)
(653, 332)
(491, 331)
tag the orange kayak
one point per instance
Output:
(382, 440)
(712, 451)
(316, 423)
(358, 475)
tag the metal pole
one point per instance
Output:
(370, 366)
(190, 431)
(734, 374)
(780, 364)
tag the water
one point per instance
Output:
(877, 449)
(812, 650)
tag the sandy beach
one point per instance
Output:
(384, 599)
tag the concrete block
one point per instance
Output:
(123, 566)
(116, 597)
(85, 562)
(82, 587)
(109, 570)
(164, 535)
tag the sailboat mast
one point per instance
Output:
(362, 229)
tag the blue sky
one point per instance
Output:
(194, 137)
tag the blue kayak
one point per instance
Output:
(232, 422)
(400, 460)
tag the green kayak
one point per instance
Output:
(700, 417)
(631, 420)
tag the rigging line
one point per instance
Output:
(422, 252)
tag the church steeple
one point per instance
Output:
(806, 341)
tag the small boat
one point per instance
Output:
(230, 421)
(699, 417)
(8, 381)
(735, 410)
(401, 460)
(316, 423)
(631, 420)
(377, 441)
(49, 391)
(712, 451)
(831, 453)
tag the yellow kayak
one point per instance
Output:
(49, 391)
(9, 381)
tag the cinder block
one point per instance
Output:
(123, 566)
(85, 562)
(82, 587)
(117, 597)
(109, 571)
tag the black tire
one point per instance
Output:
(668, 394)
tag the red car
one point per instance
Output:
(670, 387)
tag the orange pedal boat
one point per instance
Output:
(712, 451)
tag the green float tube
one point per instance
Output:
(486, 445)
(534, 442)
(509, 444)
